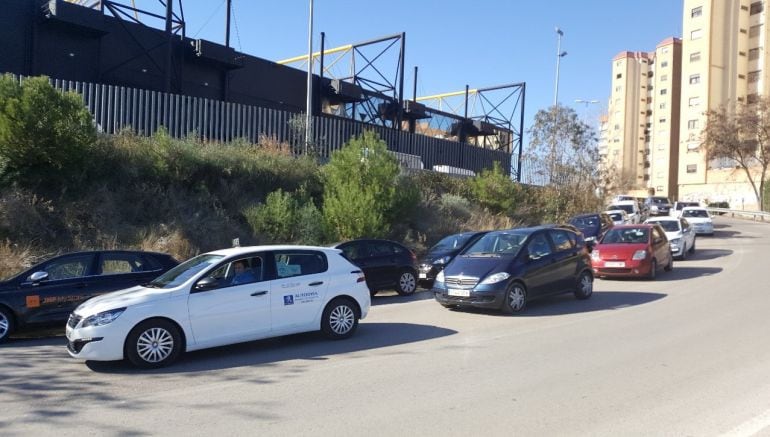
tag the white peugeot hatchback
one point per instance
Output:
(219, 298)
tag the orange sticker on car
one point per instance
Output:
(33, 301)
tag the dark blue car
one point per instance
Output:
(592, 225)
(442, 253)
(506, 269)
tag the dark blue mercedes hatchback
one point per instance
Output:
(506, 269)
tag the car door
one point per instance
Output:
(119, 270)
(565, 260)
(53, 299)
(299, 288)
(382, 263)
(688, 234)
(357, 252)
(660, 246)
(229, 311)
(538, 275)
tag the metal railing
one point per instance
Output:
(755, 215)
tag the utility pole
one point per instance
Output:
(309, 107)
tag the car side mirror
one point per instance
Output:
(206, 284)
(38, 277)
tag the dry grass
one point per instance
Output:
(14, 259)
(173, 243)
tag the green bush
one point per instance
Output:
(495, 190)
(361, 189)
(286, 218)
(45, 136)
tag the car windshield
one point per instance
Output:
(451, 242)
(681, 205)
(668, 225)
(626, 236)
(585, 222)
(700, 213)
(615, 216)
(659, 200)
(627, 208)
(497, 243)
(181, 273)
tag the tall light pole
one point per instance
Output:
(309, 108)
(559, 54)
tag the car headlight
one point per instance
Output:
(595, 255)
(497, 277)
(439, 277)
(103, 318)
(675, 241)
(639, 255)
(442, 260)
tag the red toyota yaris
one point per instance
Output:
(632, 251)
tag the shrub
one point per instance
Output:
(286, 218)
(495, 190)
(45, 135)
(360, 189)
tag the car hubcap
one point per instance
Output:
(341, 319)
(516, 298)
(587, 285)
(155, 345)
(4, 325)
(407, 282)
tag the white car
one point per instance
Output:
(618, 216)
(219, 298)
(676, 210)
(631, 207)
(699, 218)
(680, 234)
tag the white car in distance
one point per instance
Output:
(680, 234)
(219, 298)
(618, 216)
(631, 208)
(699, 218)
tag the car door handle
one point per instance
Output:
(259, 293)
(315, 284)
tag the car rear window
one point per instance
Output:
(626, 236)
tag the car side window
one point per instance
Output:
(69, 267)
(355, 251)
(117, 263)
(240, 271)
(289, 263)
(561, 240)
(380, 248)
(539, 247)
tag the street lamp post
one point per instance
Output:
(559, 54)
(309, 108)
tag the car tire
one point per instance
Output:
(692, 248)
(407, 283)
(683, 256)
(653, 270)
(6, 324)
(153, 343)
(339, 319)
(515, 299)
(585, 286)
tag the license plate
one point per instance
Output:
(614, 264)
(459, 293)
(423, 275)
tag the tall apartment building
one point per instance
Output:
(642, 125)
(724, 61)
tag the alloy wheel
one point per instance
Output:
(342, 319)
(155, 345)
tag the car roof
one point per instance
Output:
(248, 249)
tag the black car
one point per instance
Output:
(593, 226)
(444, 251)
(658, 205)
(386, 264)
(47, 293)
(506, 269)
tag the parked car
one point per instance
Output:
(202, 303)
(442, 253)
(680, 234)
(618, 216)
(632, 250)
(676, 210)
(631, 207)
(592, 225)
(46, 293)
(387, 265)
(623, 198)
(700, 219)
(506, 269)
(658, 205)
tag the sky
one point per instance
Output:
(480, 43)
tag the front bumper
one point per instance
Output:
(427, 272)
(630, 268)
(98, 343)
(490, 298)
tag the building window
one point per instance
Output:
(696, 12)
(618, 88)
(662, 105)
(663, 92)
(694, 101)
(618, 76)
(752, 98)
(695, 79)
(617, 127)
(744, 8)
(754, 76)
(743, 31)
(741, 76)
(692, 124)
(665, 50)
(756, 8)
(664, 78)
(662, 120)
(664, 64)
(692, 168)
(696, 34)
(754, 31)
(754, 54)
(695, 57)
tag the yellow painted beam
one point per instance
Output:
(441, 96)
(315, 55)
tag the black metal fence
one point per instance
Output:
(116, 108)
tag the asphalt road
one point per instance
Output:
(688, 354)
